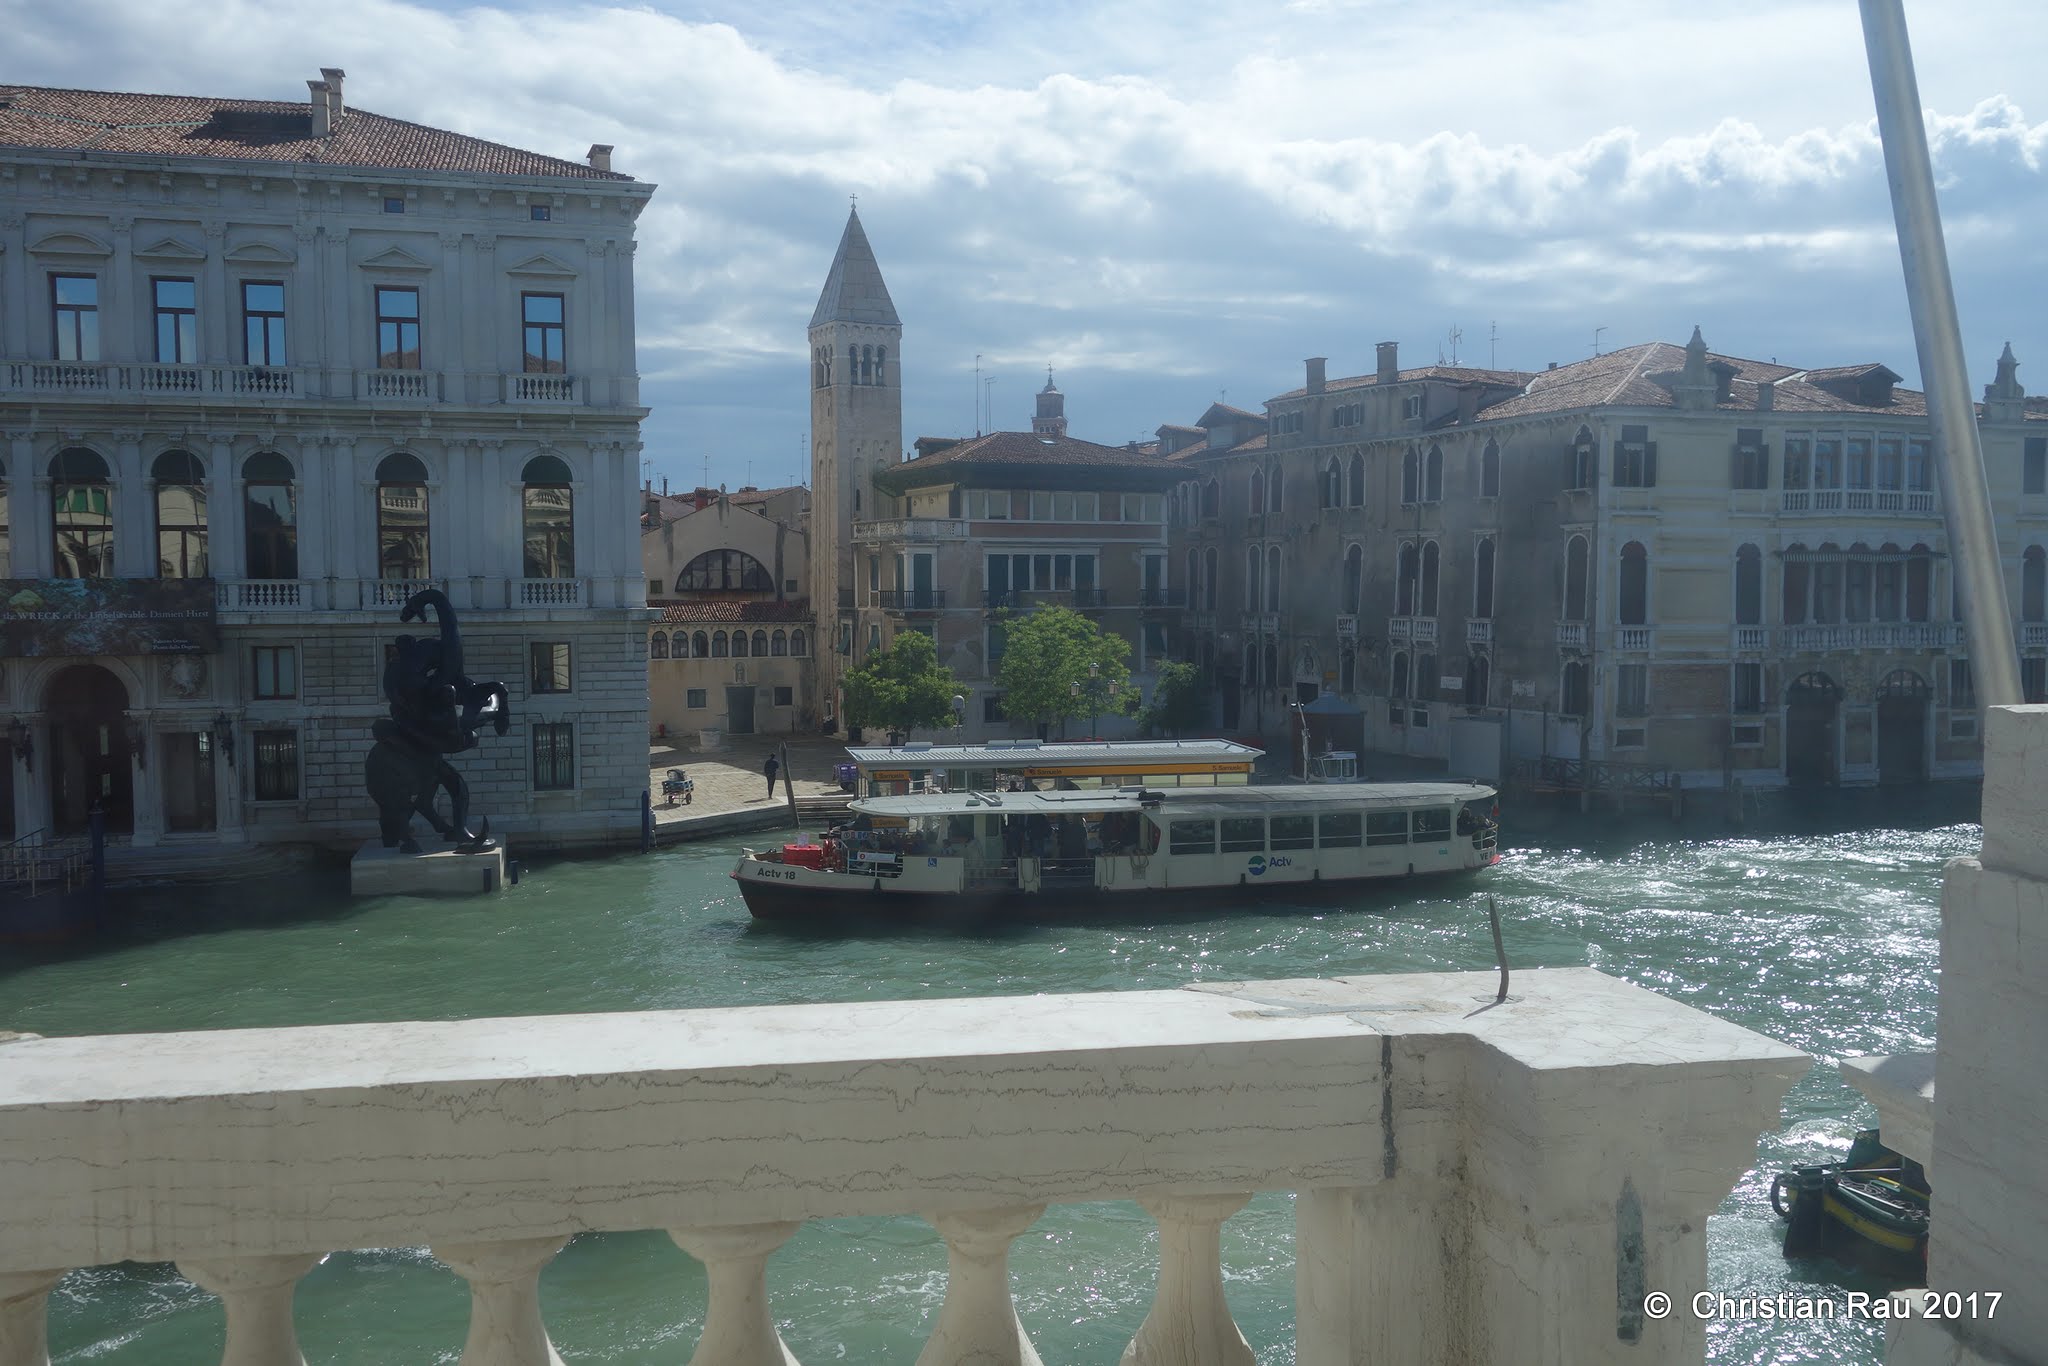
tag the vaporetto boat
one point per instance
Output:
(938, 854)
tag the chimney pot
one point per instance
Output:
(334, 76)
(1390, 362)
(1767, 396)
(323, 112)
(1317, 373)
(1553, 365)
(600, 156)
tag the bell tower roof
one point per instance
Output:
(854, 292)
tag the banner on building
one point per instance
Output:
(44, 617)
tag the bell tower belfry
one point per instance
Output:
(856, 429)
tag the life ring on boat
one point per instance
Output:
(1781, 1183)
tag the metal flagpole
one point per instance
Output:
(1951, 417)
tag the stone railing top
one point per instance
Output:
(286, 1141)
(2015, 799)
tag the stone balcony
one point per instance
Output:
(887, 530)
(1872, 635)
(1475, 1183)
(276, 597)
(153, 382)
(1883, 502)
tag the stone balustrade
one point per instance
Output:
(1475, 1183)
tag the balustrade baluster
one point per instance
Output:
(1189, 1323)
(738, 1330)
(24, 1317)
(505, 1327)
(978, 1323)
(256, 1293)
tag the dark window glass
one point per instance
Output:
(276, 765)
(1962, 687)
(82, 515)
(270, 518)
(1339, 830)
(725, 571)
(549, 663)
(402, 522)
(1191, 837)
(1635, 584)
(785, 697)
(693, 697)
(2034, 467)
(1632, 690)
(180, 515)
(75, 308)
(177, 321)
(2034, 678)
(188, 781)
(263, 322)
(1749, 586)
(549, 541)
(1577, 696)
(1432, 824)
(1293, 832)
(545, 331)
(274, 671)
(1386, 827)
(1749, 688)
(1482, 579)
(398, 328)
(1752, 465)
(540, 213)
(394, 205)
(554, 756)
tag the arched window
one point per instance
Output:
(6, 555)
(1357, 489)
(867, 365)
(1827, 585)
(1254, 563)
(1271, 657)
(1574, 697)
(1194, 579)
(700, 646)
(796, 643)
(1411, 474)
(1580, 460)
(760, 644)
(1478, 680)
(1749, 586)
(1257, 501)
(82, 515)
(657, 645)
(1482, 579)
(1634, 597)
(1354, 579)
(1575, 579)
(724, 571)
(739, 644)
(1274, 502)
(852, 363)
(1489, 471)
(180, 515)
(1397, 676)
(1209, 575)
(1347, 671)
(402, 539)
(1272, 578)
(2034, 585)
(719, 645)
(550, 524)
(1797, 587)
(679, 645)
(1919, 582)
(1212, 500)
(1433, 476)
(1430, 575)
(778, 644)
(1333, 484)
(1856, 584)
(881, 365)
(270, 518)
(1407, 571)
(1891, 581)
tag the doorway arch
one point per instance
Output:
(1903, 701)
(90, 758)
(1813, 707)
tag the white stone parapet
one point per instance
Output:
(1477, 1183)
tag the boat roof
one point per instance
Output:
(1041, 753)
(1188, 802)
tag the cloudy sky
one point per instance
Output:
(1172, 202)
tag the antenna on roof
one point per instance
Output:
(1492, 337)
(1596, 339)
(977, 393)
(988, 387)
(1457, 335)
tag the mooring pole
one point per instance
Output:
(1937, 333)
(1500, 953)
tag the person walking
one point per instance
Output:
(770, 768)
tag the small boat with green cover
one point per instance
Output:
(1872, 1207)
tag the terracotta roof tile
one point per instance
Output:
(255, 130)
(1025, 449)
(711, 611)
(1641, 377)
(1451, 374)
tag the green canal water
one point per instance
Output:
(1819, 931)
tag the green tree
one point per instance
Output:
(1045, 674)
(1179, 701)
(902, 688)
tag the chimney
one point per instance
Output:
(1316, 373)
(1390, 362)
(323, 113)
(1724, 380)
(1766, 395)
(333, 76)
(600, 156)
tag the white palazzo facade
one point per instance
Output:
(276, 380)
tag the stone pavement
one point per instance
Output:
(730, 779)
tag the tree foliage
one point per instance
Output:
(902, 688)
(1179, 701)
(1047, 653)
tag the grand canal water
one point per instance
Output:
(1814, 931)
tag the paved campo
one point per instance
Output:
(729, 778)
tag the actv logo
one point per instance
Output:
(1256, 865)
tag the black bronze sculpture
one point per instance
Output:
(435, 711)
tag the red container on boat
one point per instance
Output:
(804, 855)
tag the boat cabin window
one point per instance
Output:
(1192, 837)
(1244, 834)
(1386, 827)
(1434, 824)
(1339, 830)
(1294, 832)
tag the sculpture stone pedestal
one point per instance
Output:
(377, 871)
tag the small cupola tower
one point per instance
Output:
(1051, 418)
(2004, 399)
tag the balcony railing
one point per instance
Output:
(381, 593)
(1162, 597)
(1090, 599)
(1571, 635)
(1632, 638)
(1479, 631)
(542, 388)
(154, 381)
(1347, 628)
(546, 593)
(263, 595)
(1581, 1124)
(1261, 623)
(1751, 640)
(913, 599)
(1913, 503)
(2034, 634)
(1026, 599)
(909, 529)
(1873, 635)
(1418, 630)
(413, 386)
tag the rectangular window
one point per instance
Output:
(1386, 827)
(275, 671)
(785, 697)
(1798, 459)
(1341, 830)
(2034, 467)
(2034, 678)
(1752, 464)
(1191, 837)
(1891, 463)
(393, 204)
(1411, 407)
(1858, 474)
(1634, 737)
(1827, 461)
(75, 310)
(1433, 824)
(1962, 689)
(188, 781)
(1041, 507)
(543, 320)
(992, 708)
(1633, 468)
(1632, 690)
(550, 665)
(177, 321)
(263, 322)
(1294, 832)
(694, 697)
(277, 765)
(554, 756)
(398, 328)
(1749, 688)
(540, 213)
